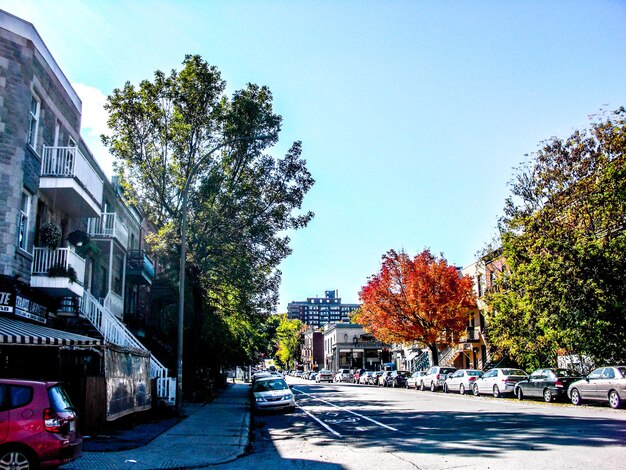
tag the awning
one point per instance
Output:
(18, 332)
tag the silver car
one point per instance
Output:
(461, 381)
(416, 379)
(498, 381)
(603, 384)
(272, 393)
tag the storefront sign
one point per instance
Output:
(6, 302)
(26, 308)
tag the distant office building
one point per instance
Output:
(317, 312)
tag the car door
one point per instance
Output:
(533, 386)
(605, 383)
(587, 388)
(4, 413)
(485, 383)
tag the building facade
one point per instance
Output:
(347, 346)
(312, 352)
(317, 312)
(67, 240)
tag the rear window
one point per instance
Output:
(566, 373)
(622, 370)
(59, 399)
(513, 372)
(474, 373)
(447, 370)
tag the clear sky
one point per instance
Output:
(412, 114)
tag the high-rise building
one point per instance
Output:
(317, 312)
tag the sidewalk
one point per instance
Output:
(215, 433)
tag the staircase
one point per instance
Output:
(421, 362)
(114, 331)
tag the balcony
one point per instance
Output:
(108, 226)
(58, 273)
(471, 335)
(70, 180)
(139, 268)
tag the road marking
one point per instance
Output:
(321, 422)
(347, 410)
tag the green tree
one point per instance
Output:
(242, 200)
(288, 336)
(562, 233)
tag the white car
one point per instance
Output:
(272, 393)
(498, 381)
(324, 375)
(435, 378)
(461, 381)
(416, 379)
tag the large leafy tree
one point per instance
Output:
(423, 299)
(563, 239)
(181, 131)
(288, 335)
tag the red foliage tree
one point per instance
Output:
(421, 299)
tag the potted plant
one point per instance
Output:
(78, 238)
(50, 235)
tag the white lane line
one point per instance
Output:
(347, 410)
(321, 422)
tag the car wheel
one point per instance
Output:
(576, 398)
(462, 389)
(445, 388)
(475, 390)
(17, 459)
(432, 387)
(422, 388)
(614, 400)
(519, 393)
(496, 392)
(547, 395)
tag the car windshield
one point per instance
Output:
(566, 373)
(267, 385)
(513, 372)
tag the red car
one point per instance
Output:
(38, 425)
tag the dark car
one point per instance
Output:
(38, 425)
(549, 384)
(398, 378)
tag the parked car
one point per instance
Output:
(260, 374)
(382, 378)
(343, 375)
(603, 384)
(357, 375)
(461, 381)
(373, 379)
(313, 375)
(397, 378)
(365, 377)
(550, 384)
(324, 375)
(415, 380)
(435, 377)
(498, 381)
(38, 424)
(272, 393)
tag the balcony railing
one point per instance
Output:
(139, 267)
(45, 258)
(471, 334)
(59, 272)
(108, 225)
(66, 171)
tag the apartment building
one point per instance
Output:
(72, 259)
(317, 312)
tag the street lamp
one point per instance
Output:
(183, 255)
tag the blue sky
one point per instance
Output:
(412, 114)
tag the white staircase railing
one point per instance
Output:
(114, 331)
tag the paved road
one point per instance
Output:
(351, 426)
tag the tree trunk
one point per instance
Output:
(435, 353)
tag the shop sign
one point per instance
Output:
(6, 302)
(27, 308)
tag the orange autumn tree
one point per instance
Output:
(421, 299)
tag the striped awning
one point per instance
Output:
(18, 332)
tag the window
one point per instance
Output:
(20, 396)
(33, 121)
(22, 224)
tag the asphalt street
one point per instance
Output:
(351, 426)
